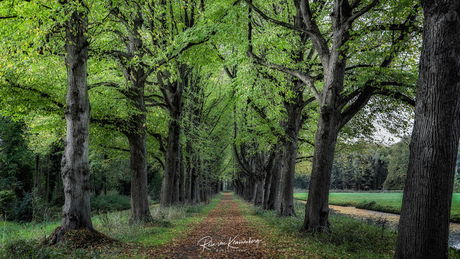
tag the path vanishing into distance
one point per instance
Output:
(224, 233)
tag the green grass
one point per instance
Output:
(350, 238)
(22, 240)
(385, 202)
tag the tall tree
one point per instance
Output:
(336, 52)
(424, 225)
(76, 213)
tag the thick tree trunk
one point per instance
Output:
(424, 225)
(169, 188)
(76, 213)
(272, 203)
(138, 163)
(259, 196)
(317, 207)
(294, 122)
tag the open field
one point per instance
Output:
(385, 202)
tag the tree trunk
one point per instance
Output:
(272, 203)
(168, 186)
(188, 174)
(317, 207)
(259, 196)
(267, 184)
(138, 163)
(424, 225)
(38, 178)
(182, 197)
(294, 122)
(47, 179)
(194, 182)
(76, 213)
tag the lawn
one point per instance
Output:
(385, 202)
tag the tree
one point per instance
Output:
(397, 166)
(337, 52)
(424, 224)
(76, 213)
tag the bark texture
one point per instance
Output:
(76, 213)
(173, 92)
(294, 110)
(272, 203)
(425, 213)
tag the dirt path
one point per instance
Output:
(224, 233)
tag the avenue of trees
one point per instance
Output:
(177, 99)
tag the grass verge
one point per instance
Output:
(23, 240)
(349, 239)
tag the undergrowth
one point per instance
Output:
(23, 240)
(349, 238)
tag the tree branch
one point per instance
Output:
(309, 81)
(270, 19)
(362, 11)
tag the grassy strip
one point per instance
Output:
(384, 202)
(349, 239)
(22, 240)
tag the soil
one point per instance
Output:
(224, 233)
(82, 238)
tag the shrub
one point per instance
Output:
(110, 202)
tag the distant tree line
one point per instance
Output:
(371, 168)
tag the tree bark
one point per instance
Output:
(424, 225)
(182, 197)
(317, 207)
(168, 186)
(272, 203)
(38, 178)
(76, 213)
(47, 179)
(294, 110)
(267, 184)
(138, 164)
(259, 196)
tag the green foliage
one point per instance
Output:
(29, 249)
(397, 166)
(111, 202)
(361, 168)
(301, 182)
